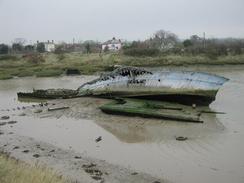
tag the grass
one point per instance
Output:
(13, 171)
(55, 65)
(49, 72)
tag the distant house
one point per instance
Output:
(49, 46)
(112, 45)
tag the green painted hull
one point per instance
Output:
(150, 109)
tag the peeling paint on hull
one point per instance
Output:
(135, 82)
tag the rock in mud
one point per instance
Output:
(181, 138)
(98, 139)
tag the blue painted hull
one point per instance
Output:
(134, 82)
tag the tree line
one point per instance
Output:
(166, 42)
(161, 42)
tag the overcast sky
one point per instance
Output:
(127, 19)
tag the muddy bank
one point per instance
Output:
(212, 152)
(76, 167)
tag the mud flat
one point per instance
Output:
(74, 166)
(131, 146)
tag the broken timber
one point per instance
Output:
(57, 108)
(50, 94)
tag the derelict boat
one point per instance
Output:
(177, 86)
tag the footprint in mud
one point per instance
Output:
(16, 147)
(22, 114)
(91, 169)
(38, 111)
(25, 151)
(77, 157)
(3, 123)
(12, 122)
(9, 123)
(38, 146)
(4, 117)
(36, 155)
(1, 133)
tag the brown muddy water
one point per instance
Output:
(213, 152)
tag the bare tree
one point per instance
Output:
(18, 45)
(196, 40)
(163, 40)
(20, 41)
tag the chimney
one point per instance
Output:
(52, 41)
(37, 41)
(47, 41)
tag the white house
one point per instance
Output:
(112, 45)
(49, 46)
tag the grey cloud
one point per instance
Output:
(128, 19)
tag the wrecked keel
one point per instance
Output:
(50, 94)
(183, 87)
(150, 109)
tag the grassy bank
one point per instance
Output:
(56, 64)
(13, 171)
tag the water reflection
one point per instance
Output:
(133, 129)
(141, 130)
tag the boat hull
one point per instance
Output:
(184, 87)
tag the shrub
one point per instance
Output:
(49, 72)
(40, 47)
(60, 49)
(187, 43)
(35, 58)
(8, 57)
(60, 56)
(141, 52)
(3, 49)
(17, 47)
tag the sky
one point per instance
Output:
(65, 20)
